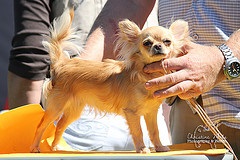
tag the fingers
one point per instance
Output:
(179, 83)
(167, 80)
(167, 64)
(189, 94)
(182, 89)
(154, 67)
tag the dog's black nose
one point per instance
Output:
(157, 49)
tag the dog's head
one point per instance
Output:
(151, 44)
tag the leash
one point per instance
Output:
(208, 122)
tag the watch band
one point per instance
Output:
(226, 51)
(231, 67)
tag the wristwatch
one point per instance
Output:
(231, 67)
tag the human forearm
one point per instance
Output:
(222, 59)
(234, 43)
(28, 63)
(23, 91)
(102, 36)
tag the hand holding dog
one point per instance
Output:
(195, 73)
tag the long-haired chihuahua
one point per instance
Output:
(111, 86)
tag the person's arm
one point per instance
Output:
(196, 72)
(103, 33)
(234, 43)
(29, 61)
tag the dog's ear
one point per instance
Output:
(180, 29)
(128, 31)
(127, 41)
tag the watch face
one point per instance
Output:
(234, 69)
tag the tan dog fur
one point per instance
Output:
(112, 86)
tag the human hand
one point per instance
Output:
(195, 73)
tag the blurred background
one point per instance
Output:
(6, 33)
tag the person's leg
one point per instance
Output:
(182, 121)
(22, 91)
(232, 136)
(187, 127)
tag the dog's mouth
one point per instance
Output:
(157, 56)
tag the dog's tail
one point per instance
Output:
(60, 39)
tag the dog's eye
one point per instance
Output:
(147, 43)
(167, 42)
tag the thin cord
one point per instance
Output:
(208, 122)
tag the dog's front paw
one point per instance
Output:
(162, 149)
(144, 150)
(34, 149)
(57, 148)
